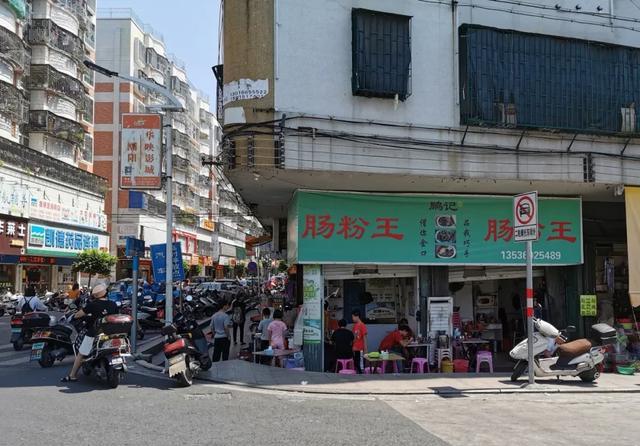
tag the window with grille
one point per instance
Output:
(381, 46)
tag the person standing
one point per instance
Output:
(238, 308)
(220, 328)
(277, 330)
(342, 339)
(360, 339)
(264, 333)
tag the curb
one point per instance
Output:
(149, 366)
(442, 392)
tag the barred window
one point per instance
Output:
(381, 51)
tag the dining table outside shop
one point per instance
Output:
(276, 354)
(374, 361)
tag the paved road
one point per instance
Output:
(147, 409)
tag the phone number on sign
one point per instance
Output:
(537, 255)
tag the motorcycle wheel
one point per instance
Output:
(590, 375)
(185, 378)
(86, 370)
(518, 370)
(1, 312)
(17, 345)
(46, 359)
(113, 377)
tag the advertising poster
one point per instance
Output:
(312, 295)
(141, 151)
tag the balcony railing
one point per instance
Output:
(45, 121)
(13, 103)
(204, 180)
(46, 32)
(157, 61)
(48, 78)
(180, 88)
(21, 156)
(180, 163)
(13, 49)
(230, 233)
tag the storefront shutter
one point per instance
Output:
(341, 272)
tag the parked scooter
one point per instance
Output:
(577, 358)
(111, 347)
(24, 326)
(185, 348)
(53, 343)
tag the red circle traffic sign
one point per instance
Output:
(525, 210)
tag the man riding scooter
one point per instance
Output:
(95, 310)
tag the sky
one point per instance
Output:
(190, 31)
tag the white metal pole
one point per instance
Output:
(530, 309)
(169, 201)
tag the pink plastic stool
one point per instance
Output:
(342, 364)
(484, 357)
(347, 372)
(420, 364)
(372, 370)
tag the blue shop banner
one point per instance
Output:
(48, 240)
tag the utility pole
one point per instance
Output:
(173, 105)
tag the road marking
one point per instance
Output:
(23, 360)
(14, 353)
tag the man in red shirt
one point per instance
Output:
(397, 340)
(360, 339)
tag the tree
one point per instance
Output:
(186, 268)
(94, 261)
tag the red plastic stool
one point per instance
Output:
(372, 370)
(347, 372)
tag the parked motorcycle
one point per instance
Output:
(185, 348)
(577, 358)
(53, 343)
(23, 326)
(111, 347)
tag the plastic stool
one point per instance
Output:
(344, 364)
(443, 353)
(420, 364)
(372, 370)
(487, 358)
(347, 372)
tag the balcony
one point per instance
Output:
(46, 32)
(87, 149)
(230, 233)
(13, 103)
(48, 167)
(19, 8)
(157, 61)
(13, 49)
(204, 180)
(180, 88)
(204, 204)
(182, 140)
(180, 163)
(48, 78)
(44, 121)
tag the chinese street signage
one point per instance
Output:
(14, 199)
(66, 214)
(588, 305)
(141, 151)
(525, 217)
(312, 299)
(334, 227)
(61, 242)
(13, 235)
(159, 264)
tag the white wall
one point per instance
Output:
(313, 77)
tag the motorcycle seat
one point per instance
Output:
(574, 348)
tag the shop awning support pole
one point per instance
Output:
(530, 310)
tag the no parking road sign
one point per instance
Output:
(525, 212)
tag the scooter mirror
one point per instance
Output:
(571, 329)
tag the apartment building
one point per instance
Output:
(51, 206)
(127, 45)
(394, 134)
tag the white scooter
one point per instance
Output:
(577, 358)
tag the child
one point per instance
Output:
(360, 339)
(264, 333)
(342, 339)
(277, 330)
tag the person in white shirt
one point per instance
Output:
(30, 298)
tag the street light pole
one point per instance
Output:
(174, 105)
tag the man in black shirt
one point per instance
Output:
(95, 310)
(342, 339)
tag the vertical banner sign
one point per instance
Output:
(312, 294)
(159, 263)
(141, 151)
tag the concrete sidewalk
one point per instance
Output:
(247, 374)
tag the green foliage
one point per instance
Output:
(282, 266)
(196, 270)
(94, 261)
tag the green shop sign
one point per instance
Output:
(337, 227)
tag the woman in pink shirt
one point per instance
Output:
(277, 330)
